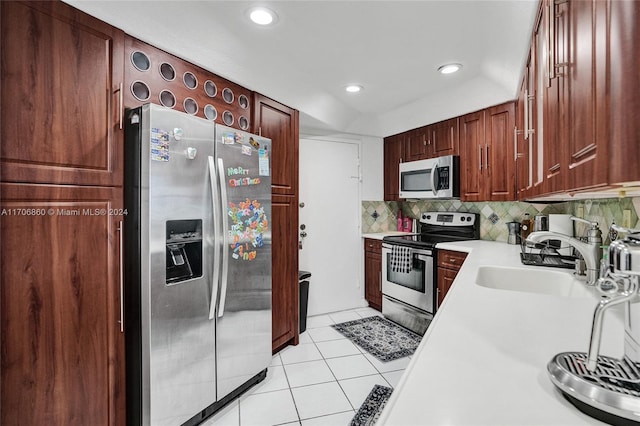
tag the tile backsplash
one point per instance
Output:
(380, 216)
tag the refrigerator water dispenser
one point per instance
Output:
(184, 250)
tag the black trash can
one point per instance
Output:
(303, 278)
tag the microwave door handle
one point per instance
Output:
(434, 172)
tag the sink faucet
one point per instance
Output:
(591, 250)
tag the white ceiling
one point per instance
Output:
(392, 48)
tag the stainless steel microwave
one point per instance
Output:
(432, 178)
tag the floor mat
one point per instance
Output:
(371, 408)
(380, 337)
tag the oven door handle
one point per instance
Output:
(424, 257)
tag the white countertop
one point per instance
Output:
(483, 359)
(381, 235)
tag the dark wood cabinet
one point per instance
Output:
(394, 154)
(499, 152)
(418, 144)
(62, 349)
(444, 138)
(586, 76)
(522, 165)
(61, 91)
(554, 92)
(280, 124)
(472, 170)
(62, 172)
(449, 263)
(285, 288)
(624, 155)
(373, 272)
(487, 155)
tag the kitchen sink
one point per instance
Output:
(537, 281)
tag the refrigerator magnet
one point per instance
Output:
(246, 150)
(228, 138)
(263, 162)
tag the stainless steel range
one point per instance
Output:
(409, 280)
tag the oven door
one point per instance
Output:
(414, 287)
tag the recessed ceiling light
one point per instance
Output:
(353, 88)
(262, 16)
(449, 68)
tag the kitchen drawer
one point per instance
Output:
(451, 259)
(373, 245)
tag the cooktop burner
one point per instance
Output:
(440, 227)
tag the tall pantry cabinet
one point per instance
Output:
(278, 122)
(61, 199)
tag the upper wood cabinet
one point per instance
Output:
(394, 154)
(61, 96)
(624, 155)
(486, 154)
(444, 138)
(553, 89)
(472, 170)
(580, 98)
(586, 75)
(279, 123)
(499, 152)
(418, 143)
(434, 140)
(522, 155)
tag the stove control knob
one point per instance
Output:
(469, 218)
(427, 217)
(463, 218)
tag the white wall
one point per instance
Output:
(372, 168)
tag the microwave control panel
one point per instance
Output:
(443, 178)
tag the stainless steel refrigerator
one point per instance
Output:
(198, 265)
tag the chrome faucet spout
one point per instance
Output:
(591, 250)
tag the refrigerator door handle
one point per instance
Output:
(225, 233)
(216, 241)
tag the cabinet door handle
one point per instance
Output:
(121, 105)
(480, 157)
(515, 143)
(526, 113)
(486, 157)
(550, 44)
(121, 234)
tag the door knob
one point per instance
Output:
(303, 234)
(303, 227)
(301, 205)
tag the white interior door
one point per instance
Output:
(329, 189)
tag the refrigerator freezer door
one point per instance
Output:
(176, 329)
(243, 345)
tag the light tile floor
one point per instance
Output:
(322, 381)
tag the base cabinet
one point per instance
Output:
(62, 346)
(373, 273)
(449, 263)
